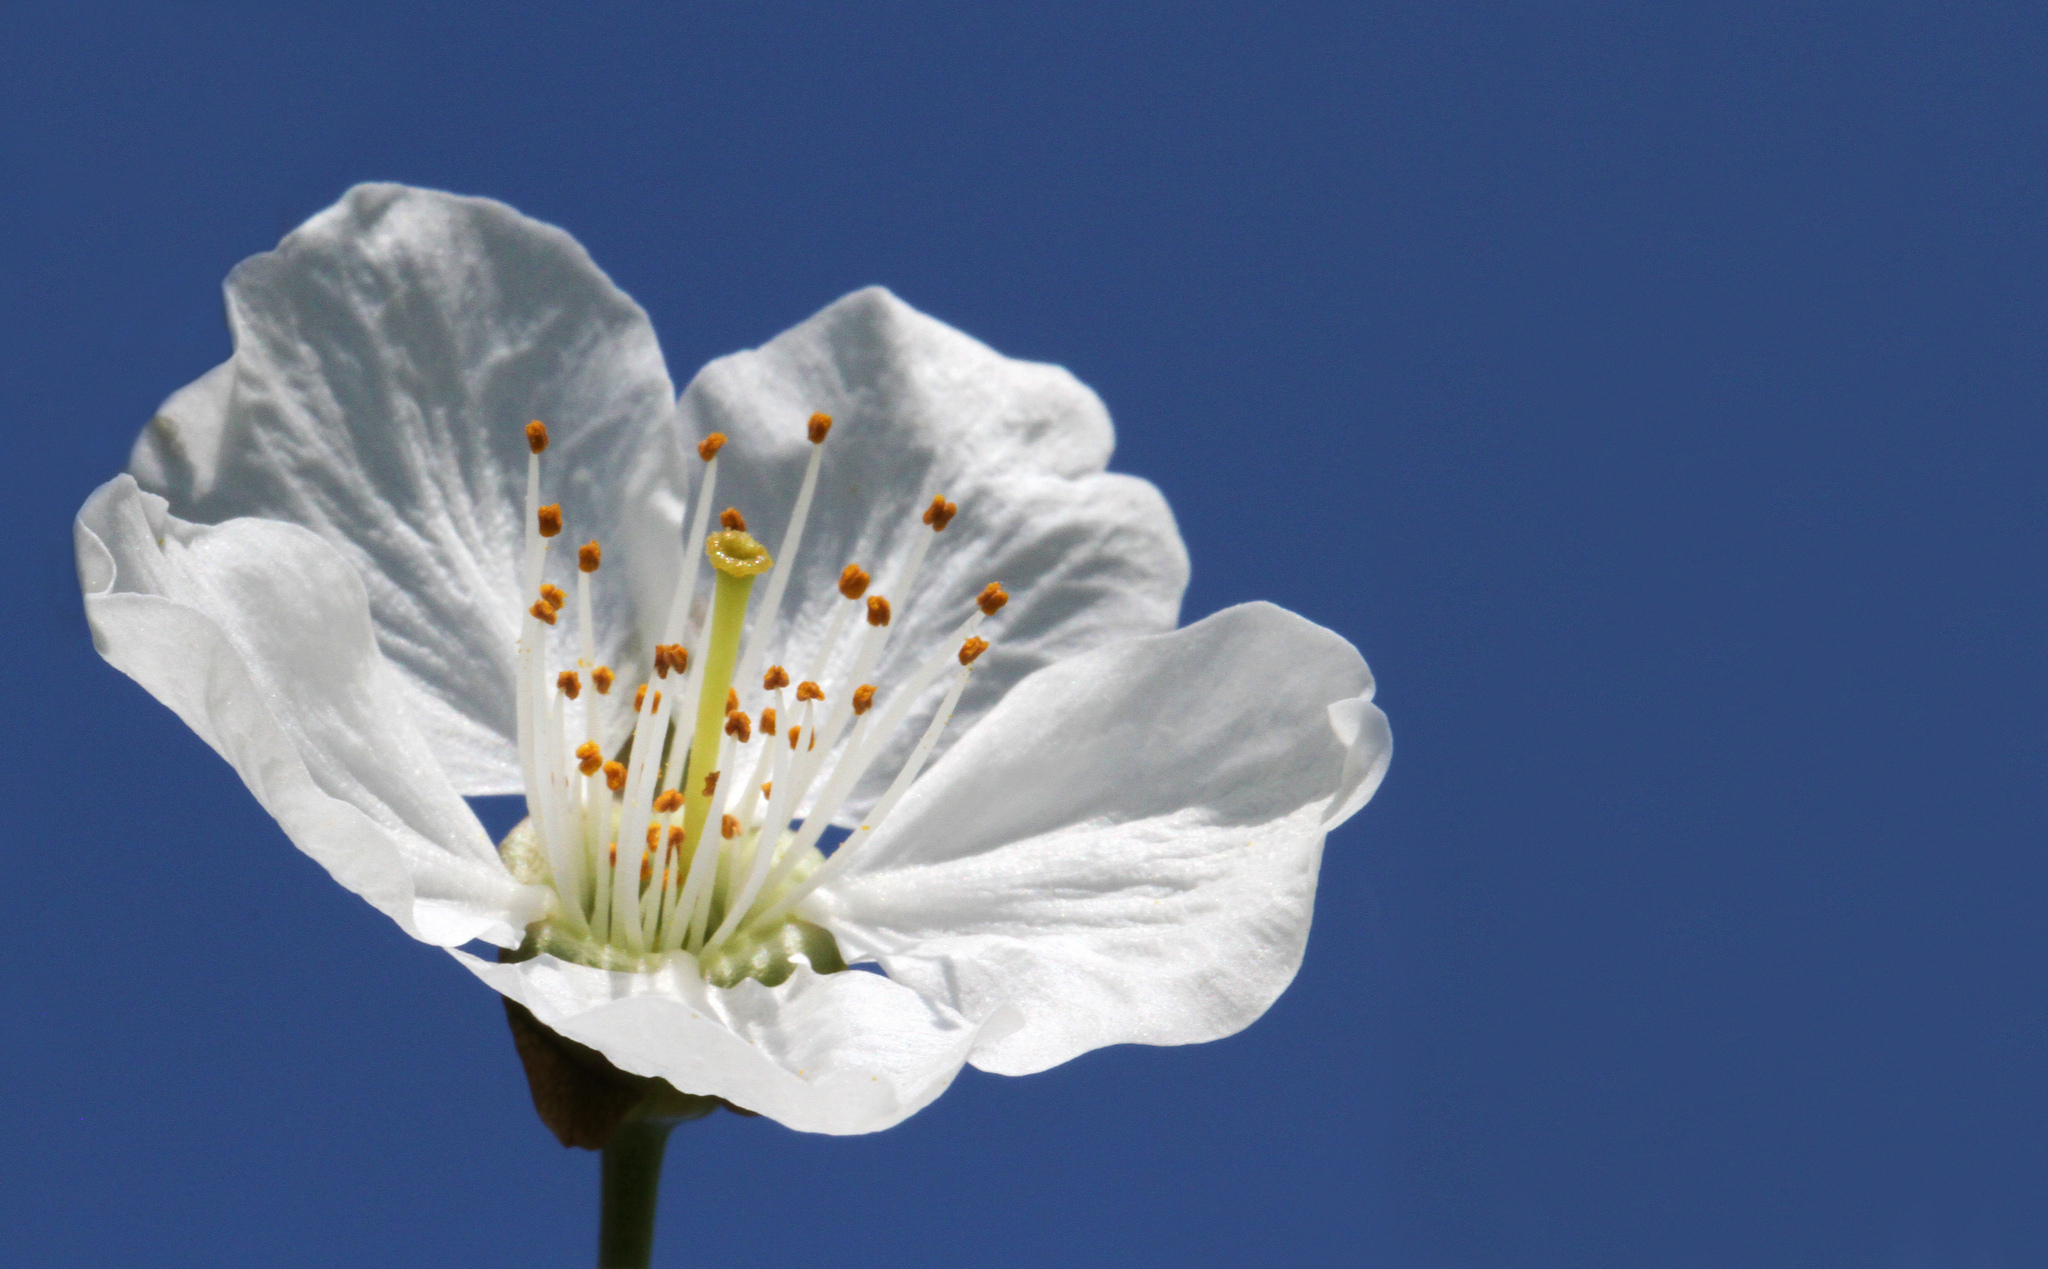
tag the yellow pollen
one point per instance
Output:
(570, 685)
(863, 697)
(972, 649)
(707, 449)
(589, 556)
(550, 518)
(878, 611)
(537, 436)
(853, 581)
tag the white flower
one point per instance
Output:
(325, 560)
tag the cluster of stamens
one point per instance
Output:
(681, 834)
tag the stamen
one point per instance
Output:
(729, 827)
(707, 449)
(737, 724)
(992, 598)
(853, 581)
(792, 538)
(809, 691)
(589, 556)
(552, 596)
(768, 721)
(541, 610)
(776, 677)
(603, 678)
(710, 784)
(864, 696)
(730, 518)
(732, 701)
(569, 685)
(668, 802)
(820, 425)
(589, 758)
(768, 789)
(940, 513)
(794, 732)
(537, 436)
(639, 697)
(972, 649)
(615, 776)
(550, 518)
(878, 611)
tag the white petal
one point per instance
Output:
(836, 1053)
(387, 356)
(1126, 847)
(922, 409)
(258, 635)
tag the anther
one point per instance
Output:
(710, 784)
(602, 678)
(738, 724)
(732, 700)
(554, 596)
(550, 519)
(670, 656)
(820, 424)
(972, 649)
(571, 686)
(768, 788)
(729, 827)
(774, 678)
(768, 721)
(853, 581)
(878, 611)
(992, 598)
(863, 697)
(653, 843)
(940, 513)
(537, 436)
(639, 697)
(794, 732)
(707, 449)
(668, 802)
(541, 610)
(589, 758)
(730, 518)
(589, 556)
(809, 691)
(615, 776)
(675, 837)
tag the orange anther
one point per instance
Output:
(768, 788)
(992, 598)
(738, 724)
(589, 757)
(774, 678)
(940, 513)
(878, 611)
(732, 700)
(541, 610)
(536, 436)
(550, 518)
(589, 556)
(707, 449)
(729, 827)
(615, 776)
(710, 784)
(731, 518)
(675, 837)
(863, 697)
(820, 424)
(554, 596)
(809, 691)
(602, 678)
(570, 685)
(768, 721)
(669, 801)
(972, 649)
(653, 841)
(853, 581)
(639, 697)
(794, 732)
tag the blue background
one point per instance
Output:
(1654, 394)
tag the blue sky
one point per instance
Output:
(1656, 395)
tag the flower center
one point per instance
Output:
(687, 840)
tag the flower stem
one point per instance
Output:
(632, 1183)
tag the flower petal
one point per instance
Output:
(921, 409)
(388, 355)
(839, 1053)
(258, 635)
(1126, 847)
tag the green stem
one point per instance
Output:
(632, 1184)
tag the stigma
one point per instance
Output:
(650, 855)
